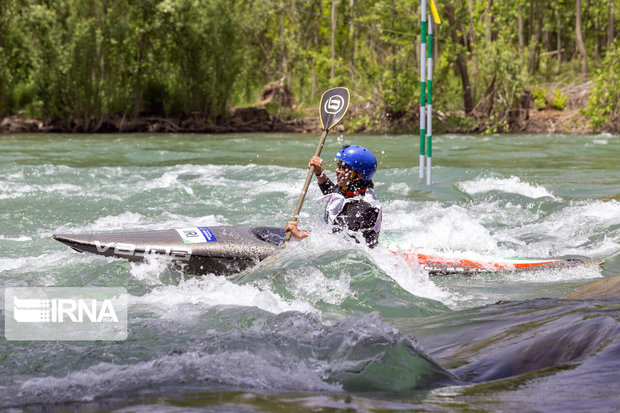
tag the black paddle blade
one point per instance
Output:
(334, 105)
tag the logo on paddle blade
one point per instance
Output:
(334, 104)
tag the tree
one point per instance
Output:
(580, 45)
(460, 61)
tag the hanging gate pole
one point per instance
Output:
(422, 86)
(426, 88)
(429, 104)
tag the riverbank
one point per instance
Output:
(250, 119)
(365, 117)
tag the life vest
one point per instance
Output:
(336, 202)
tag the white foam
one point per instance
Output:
(51, 179)
(254, 179)
(412, 278)
(512, 185)
(312, 284)
(43, 263)
(173, 220)
(131, 221)
(18, 239)
(116, 222)
(570, 231)
(557, 274)
(399, 188)
(583, 228)
(9, 190)
(241, 369)
(213, 291)
(170, 180)
(150, 270)
(438, 227)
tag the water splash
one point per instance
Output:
(512, 185)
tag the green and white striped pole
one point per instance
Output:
(422, 85)
(429, 103)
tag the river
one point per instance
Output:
(329, 324)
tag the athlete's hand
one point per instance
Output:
(291, 226)
(317, 163)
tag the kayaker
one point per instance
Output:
(351, 203)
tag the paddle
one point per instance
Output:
(334, 105)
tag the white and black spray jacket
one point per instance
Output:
(360, 214)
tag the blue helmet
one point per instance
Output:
(359, 159)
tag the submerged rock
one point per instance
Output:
(608, 288)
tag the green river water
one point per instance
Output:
(329, 324)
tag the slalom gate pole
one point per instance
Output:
(429, 103)
(422, 85)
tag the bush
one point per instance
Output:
(559, 100)
(540, 98)
(603, 109)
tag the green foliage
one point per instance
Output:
(603, 103)
(23, 96)
(14, 64)
(459, 123)
(539, 95)
(504, 80)
(558, 100)
(79, 58)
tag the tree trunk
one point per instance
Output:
(586, 17)
(487, 23)
(393, 43)
(559, 37)
(283, 50)
(352, 31)
(468, 100)
(493, 28)
(536, 46)
(461, 63)
(530, 31)
(316, 45)
(580, 45)
(597, 37)
(610, 25)
(137, 103)
(520, 27)
(472, 34)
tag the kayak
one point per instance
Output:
(227, 250)
(220, 250)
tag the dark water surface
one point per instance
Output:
(330, 324)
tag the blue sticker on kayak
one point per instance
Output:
(208, 234)
(196, 235)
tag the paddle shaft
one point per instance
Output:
(304, 190)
